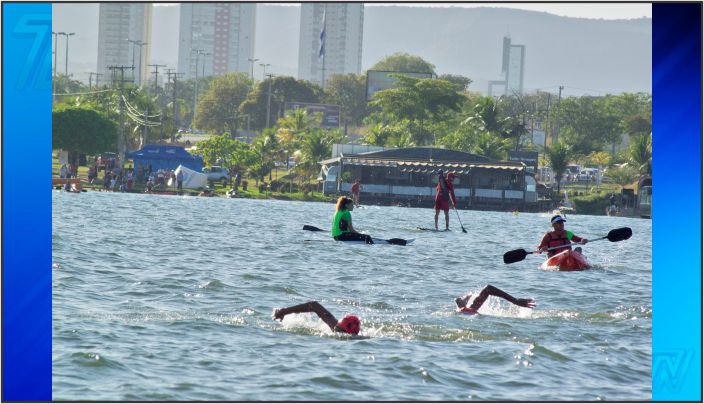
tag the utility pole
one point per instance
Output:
(547, 122)
(121, 146)
(173, 75)
(268, 100)
(90, 79)
(559, 97)
(195, 88)
(156, 77)
(204, 55)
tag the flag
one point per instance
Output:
(321, 52)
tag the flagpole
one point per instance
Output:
(322, 42)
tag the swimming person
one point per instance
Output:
(349, 324)
(558, 237)
(342, 229)
(489, 290)
(444, 191)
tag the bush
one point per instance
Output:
(244, 184)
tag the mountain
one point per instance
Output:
(587, 56)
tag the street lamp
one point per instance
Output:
(264, 65)
(56, 49)
(195, 85)
(67, 34)
(252, 64)
(204, 55)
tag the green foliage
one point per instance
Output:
(82, 130)
(622, 175)
(223, 148)
(641, 153)
(218, 108)
(403, 62)
(558, 155)
(457, 79)
(349, 91)
(283, 89)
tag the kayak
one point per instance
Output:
(567, 260)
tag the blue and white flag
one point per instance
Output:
(321, 52)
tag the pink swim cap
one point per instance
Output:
(349, 324)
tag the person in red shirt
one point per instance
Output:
(349, 324)
(444, 191)
(355, 192)
(489, 290)
(559, 237)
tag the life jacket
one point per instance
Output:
(562, 239)
(339, 224)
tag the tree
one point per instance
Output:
(349, 91)
(403, 62)
(622, 175)
(283, 89)
(218, 108)
(82, 130)
(221, 148)
(457, 79)
(491, 146)
(641, 154)
(315, 146)
(558, 155)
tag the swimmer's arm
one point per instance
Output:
(309, 307)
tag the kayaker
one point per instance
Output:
(342, 229)
(442, 202)
(489, 290)
(349, 324)
(559, 236)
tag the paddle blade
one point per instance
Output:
(621, 234)
(311, 228)
(397, 241)
(463, 230)
(515, 256)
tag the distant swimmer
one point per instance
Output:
(444, 195)
(349, 324)
(558, 237)
(342, 229)
(489, 290)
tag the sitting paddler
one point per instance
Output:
(489, 290)
(342, 229)
(559, 237)
(349, 324)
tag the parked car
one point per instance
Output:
(216, 173)
(588, 174)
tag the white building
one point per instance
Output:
(216, 38)
(124, 33)
(512, 70)
(344, 28)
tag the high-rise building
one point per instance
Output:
(216, 38)
(124, 33)
(512, 69)
(339, 49)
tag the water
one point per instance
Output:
(170, 298)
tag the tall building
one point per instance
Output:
(342, 50)
(216, 38)
(512, 69)
(124, 33)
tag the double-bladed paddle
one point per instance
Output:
(623, 233)
(395, 241)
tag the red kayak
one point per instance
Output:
(567, 260)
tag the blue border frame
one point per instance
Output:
(26, 210)
(677, 194)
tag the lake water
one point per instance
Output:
(170, 298)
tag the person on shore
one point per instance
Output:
(444, 191)
(356, 187)
(349, 324)
(489, 290)
(342, 229)
(179, 180)
(559, 237)
(63, 171)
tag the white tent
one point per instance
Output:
(191, 179)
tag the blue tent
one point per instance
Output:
(164, 157)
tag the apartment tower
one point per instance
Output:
(215, 38)
(512, 69)
(124, 33)
(336, 51)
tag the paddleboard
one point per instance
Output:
(376, 241)
(429, 229)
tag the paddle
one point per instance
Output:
(623, 233)
(396, 241)
(458, 216)
(446, 194)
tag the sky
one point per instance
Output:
(605, 11)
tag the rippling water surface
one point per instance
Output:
(170, 298)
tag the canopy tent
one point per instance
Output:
(191, 179)
(164, 157)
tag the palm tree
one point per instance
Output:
(315, 146)
(492, 146)
(485, 116)
(558, 155)
(641, 153)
